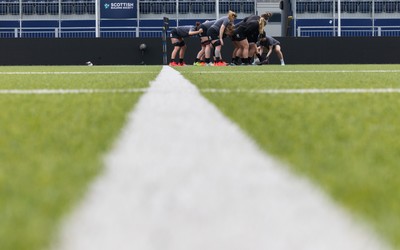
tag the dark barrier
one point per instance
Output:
(78, 51)
(327, 50)
(103, 51)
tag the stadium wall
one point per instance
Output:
(102, 51)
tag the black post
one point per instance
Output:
(164, 40)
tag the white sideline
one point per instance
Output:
(76, 72)
(305, 91)
(67, 91)
(208, 90)
(183, 177)
(238, 71)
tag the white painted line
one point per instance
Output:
(68, 91)
(238, 71)
(76, 72)
(252, 91)
(182, 176)
(304, 91)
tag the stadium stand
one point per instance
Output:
(184, 7)
(3, 7)
(80, 7)
(197, 7)
(76, 18)
(67, 7)
(13, 7)
(358, 18)
(53, 7)
(209, 7)
(41, 7)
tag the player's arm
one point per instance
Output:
(195, 32)
(269, 51)
(221, 34)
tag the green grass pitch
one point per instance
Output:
(347, 141)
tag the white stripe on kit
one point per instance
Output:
(182, 176)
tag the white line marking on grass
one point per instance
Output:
(302, 91)
(78, 73)
(294, 71)
(253, 91)
(184, 177)
(68, 91)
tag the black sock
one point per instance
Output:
(237, 60)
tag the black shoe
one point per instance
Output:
(263, 62)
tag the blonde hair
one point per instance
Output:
(266, 15)
(229, 29)
(232, 15)
(261, 25)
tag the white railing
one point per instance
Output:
(81, 32)
(328, 31)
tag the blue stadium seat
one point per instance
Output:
(301, 7)
(209, 7)
(351, 6)
(80, 7)
(197, 7)
(235, 6)
(312, 7)
(378, 6)
(390, 6)
(364, 6)
(184, 7)
(325, 7)
(145, 7)
(67, 7)
(91, 7)
(41, 7)
(52, 7)
(13, 7)
(28, 7)
(248, 7)
(3, 7)
(223, 7)
(343, 7)
(157, 8)
(170, 7)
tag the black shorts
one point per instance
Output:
(252, 38)
(204, 28)
(213, 34)
(238, 36)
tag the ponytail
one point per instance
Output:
(232, 15)
(266, 15)
(261, 25)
